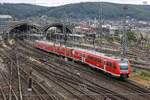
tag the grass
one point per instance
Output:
(147, 46)
(145, 75)
(141, 76)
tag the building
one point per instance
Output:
(4, 19)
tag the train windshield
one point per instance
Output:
(123, 67)
(123, 64)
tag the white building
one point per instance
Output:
(4, 19)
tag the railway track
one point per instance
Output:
(55, 81)
(102, 89)
(41, 97)
(6, 84)
(133, 86)
(10, 90)
(62, 78)
(44, 94)
(3, 95)
(40, 57)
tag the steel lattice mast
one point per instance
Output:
(124, 41)
(100, 22)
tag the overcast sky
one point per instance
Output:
(62, 2)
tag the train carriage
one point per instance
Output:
(109, 64)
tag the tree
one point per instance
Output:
(131, 36)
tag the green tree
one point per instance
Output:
(131, 36)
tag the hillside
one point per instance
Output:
(77, 11)
(21, 10)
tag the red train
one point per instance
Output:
(112, 65)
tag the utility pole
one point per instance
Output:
(65, 34)
(100, 22)
(124, 38)
(64, 28)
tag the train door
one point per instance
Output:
(114, 66)
(76, 55)
(83, 57)
(71, 54)
(111, 66)
(105, 66)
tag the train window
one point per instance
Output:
(83, 55)
(114, 66)
(102, 61)
(96, 59)
(89, 57)
(124, 67)
(93, 58)
(80, 55)
(109, 64)
(99, 60)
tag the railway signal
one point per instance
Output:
(30, 80)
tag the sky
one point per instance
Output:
(63, 2)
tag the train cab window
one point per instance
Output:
(123, 64)
(124, 67)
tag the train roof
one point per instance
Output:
(89, 45)
(51, 43)
(107, 56)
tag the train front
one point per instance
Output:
(125, 68)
